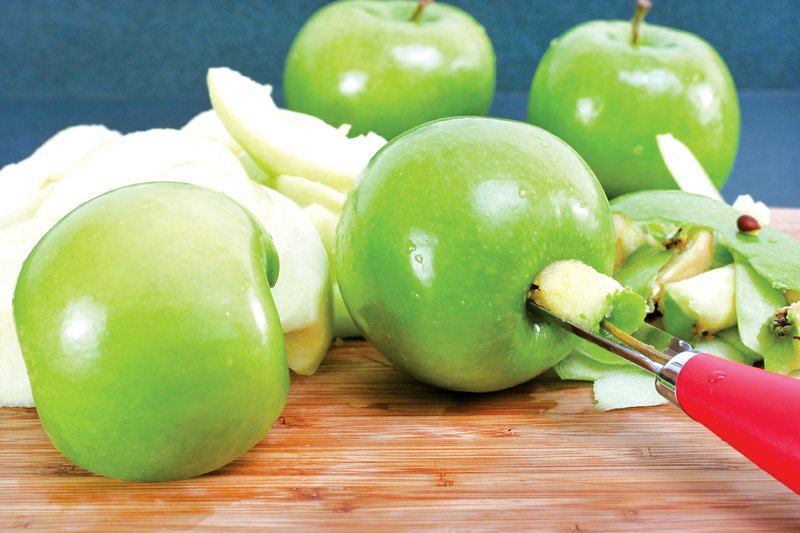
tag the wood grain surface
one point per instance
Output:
(360, 446)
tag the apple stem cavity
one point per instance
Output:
(419, 9)
(639, 13)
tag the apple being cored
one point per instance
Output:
(388, 66)
(658, 113)
(151, 339)
(443, 234)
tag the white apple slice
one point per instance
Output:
(700, 305)
(209, 125)
(306, 348)
(24, 185)
(284, 142)
(685, 168)
(325, 223)
(137, 158)
(16, 242)
(305, 192)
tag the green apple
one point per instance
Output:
(387, 66)
(611, 99)
(441, 237)
(148, 329)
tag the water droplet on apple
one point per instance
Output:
(462, 302)
(418, 258)
(523, 192)
(411, 246)
(416, 294)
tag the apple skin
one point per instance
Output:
(153, 345)
(442, 235)
(364, 63)
(609, 99)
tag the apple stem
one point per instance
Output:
(420, 8)
(639, 13)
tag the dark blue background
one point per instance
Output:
(137, 64)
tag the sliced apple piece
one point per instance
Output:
(700, 305)
(628, 238)
(325, 222)
(695, 258)
(284, 142)
(306, 348)
(209, 125)
(24, 185)
(305, 192)
(686, 170)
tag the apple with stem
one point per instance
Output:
(642, 104)
(389, 66)
(442, 235)
(151, 339)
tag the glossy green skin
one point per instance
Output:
(609, 100)
(150, 336)
(441, 237)
(366, 64)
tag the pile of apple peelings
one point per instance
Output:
(731, 292)
(290, 170)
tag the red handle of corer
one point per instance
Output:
(755, 411)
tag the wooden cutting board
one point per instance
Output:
(361, 446)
